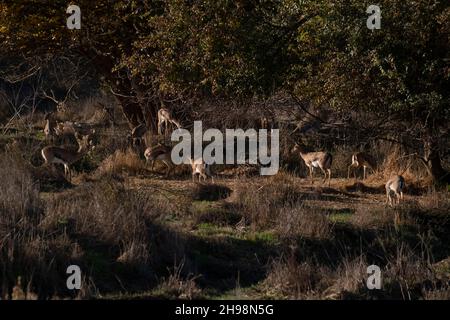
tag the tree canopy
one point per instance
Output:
(321, 51)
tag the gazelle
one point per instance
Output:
(65, 128)
(361, 159)
(165, 117)
(54, 155)
(394, 189)
(60, 104)
(201, 168)
(161, 153)
(137, 133)
(321, 159)
(49, 128)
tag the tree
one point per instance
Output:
(109, 28)
(144, 49)
(399, 73)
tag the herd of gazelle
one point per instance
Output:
(321, 159)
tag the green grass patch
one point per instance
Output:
(341, 216)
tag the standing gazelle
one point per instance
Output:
(159, 152)
(54, 155)
(201, 168)
(165, 117)
(394, 189)
(137, 134)
(321, 159)
(361, 159)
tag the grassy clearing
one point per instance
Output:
(138, 235)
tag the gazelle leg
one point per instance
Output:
(166, 127)
(329, 177)
(159, 126)
(311, 174)
(67, 172)
(325, 175)
(348, 171)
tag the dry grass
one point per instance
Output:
(278, 235)
(175, 286)
(104, 228)
(297, 220)
(290, 279)
(259, 200)
(121, 162)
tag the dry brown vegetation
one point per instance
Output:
(136, 234)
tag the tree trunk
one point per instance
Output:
(432, 160)
(132, 111)
(122, 86)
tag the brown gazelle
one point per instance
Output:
(161, 153)
(320, 159)
(165, 117)
(137, 133)
(60, 104)
(394, 189)
(54, 155)
(361, 159)
(201, 168)
(65, 129)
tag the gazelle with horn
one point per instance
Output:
(394, 189)
(164, 118)
(54, 155)
(320, 159)
(361, 159)
(201, 168)
(161, 153)
(60, 104)
(137, 134)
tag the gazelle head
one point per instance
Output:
(297, 148)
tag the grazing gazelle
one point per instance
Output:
(53, 155)
(313, 160)
(394, 189)
(361, 159)
(201, 168)
(49, 128)
(165, 117)
(162, 153)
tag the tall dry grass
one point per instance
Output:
(109, 231)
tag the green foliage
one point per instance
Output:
(401, 68)
(322, 50)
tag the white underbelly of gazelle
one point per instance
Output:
(315, 164)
